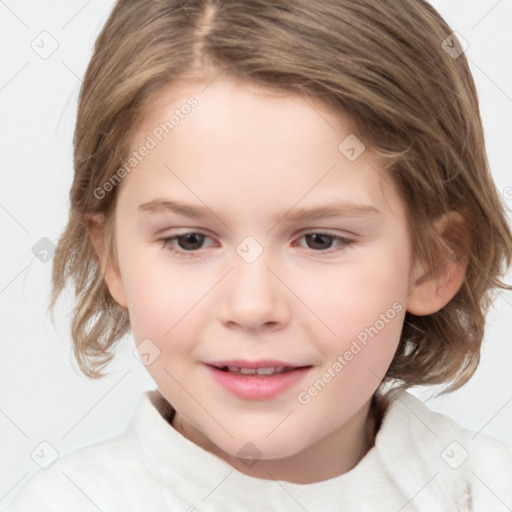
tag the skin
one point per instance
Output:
(251, 156)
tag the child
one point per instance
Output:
(259, 130)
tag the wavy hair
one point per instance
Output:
(398, 71)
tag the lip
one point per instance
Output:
(262, 363)
(256, 387)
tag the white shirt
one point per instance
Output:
(421, 461)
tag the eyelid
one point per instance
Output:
(343, 233)
(344, 240)
(306, 231)
(169, 232)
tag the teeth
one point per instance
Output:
(247, 371)
(271, 371)
(257, 371)
(267, 371)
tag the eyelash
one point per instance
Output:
(166, 243)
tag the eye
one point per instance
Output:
(319, 240)
(189, 243)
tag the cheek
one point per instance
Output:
(354, 295)
(163, 299)
(363, 304)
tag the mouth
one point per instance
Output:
(257, 380)
(264, 371)
(267, 367)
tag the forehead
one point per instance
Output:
(248, 142)
(230, 100)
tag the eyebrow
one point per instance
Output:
(159, 206)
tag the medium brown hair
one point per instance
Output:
(382, 62)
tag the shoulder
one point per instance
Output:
(489, 470)
(476, 449)
(107, 475)
(430, 451)
(77, 476)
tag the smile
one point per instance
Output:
(256, 380)
(271, 370)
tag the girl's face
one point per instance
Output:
(297, 256)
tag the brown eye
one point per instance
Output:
(322, 242)
(190, 241)
(319, 241)
(186, 244)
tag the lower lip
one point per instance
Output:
(257, 387)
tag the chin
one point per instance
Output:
(256, 448)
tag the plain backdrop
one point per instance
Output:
(43, 397)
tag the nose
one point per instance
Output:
(253, 297)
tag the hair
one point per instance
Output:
(384, 63)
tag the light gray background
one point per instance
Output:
(43, 397)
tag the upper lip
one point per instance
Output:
(263, 363)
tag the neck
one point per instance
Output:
(334, 455)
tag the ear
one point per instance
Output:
(431, 289)
(109, 268)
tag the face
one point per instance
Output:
(254, 235)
